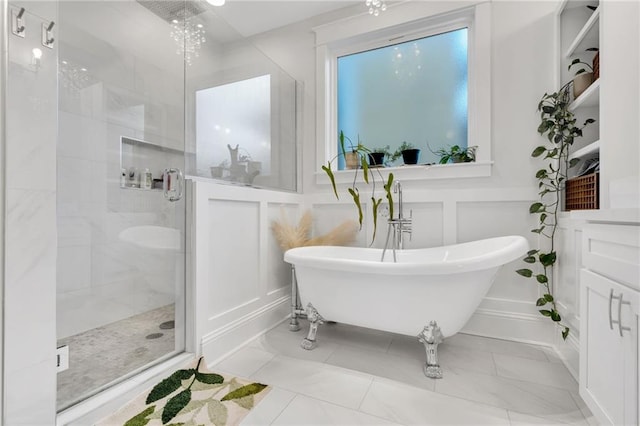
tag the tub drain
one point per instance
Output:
(153, 336)
(168, 325)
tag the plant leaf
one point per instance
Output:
(530, 259)
(573, 162)
(538, 151)
(175, 404)
(341, 139)
(565, 333)
(247, 390)
(210, 379)
(555, 316)
(388, 188)
(541, 302)
(532, 252)
(327, 170)
(545, 312)
(218, 413)
(168, 385)
(356, 200)
(548, 297)
(548, 259)
(365, 168)
(542, 278)
(141, 419)
(525, 272)
(375, 205)
(536, 208)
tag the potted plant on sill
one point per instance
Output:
(362, 152)
(410, 154)
(381, 157)
(559, 125)
(456, 154)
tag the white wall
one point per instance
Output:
(457, 210)
(242, 283)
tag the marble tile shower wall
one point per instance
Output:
(101, 278)
(30, 239)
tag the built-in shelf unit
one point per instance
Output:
(579, 35)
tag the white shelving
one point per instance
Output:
(590, 149)
(588, 98)
(587, 37)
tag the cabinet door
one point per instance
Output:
(609, 361)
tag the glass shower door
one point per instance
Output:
(121, 216)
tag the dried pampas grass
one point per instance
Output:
(290, 236)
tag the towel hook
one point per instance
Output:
(47, 38)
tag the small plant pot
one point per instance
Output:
(581, 82)
(376, 159)
(411, 156)
(352, 160)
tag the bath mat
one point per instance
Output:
(191, 396)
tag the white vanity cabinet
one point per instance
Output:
(610, 320)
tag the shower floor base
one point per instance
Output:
(104, 354)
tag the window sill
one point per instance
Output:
(417, 172)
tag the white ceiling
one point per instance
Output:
(249, 17)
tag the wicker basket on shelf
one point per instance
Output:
(582, 193)
(596, 66)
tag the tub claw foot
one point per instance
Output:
(431, 336)
(315, 319)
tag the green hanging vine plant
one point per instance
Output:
(558, 123)
(361, 151)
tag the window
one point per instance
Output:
(415, 91)
(355, 97)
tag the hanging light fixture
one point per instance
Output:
(376, 6)
(189, 37)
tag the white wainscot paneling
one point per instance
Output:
(427, 225)
(567, 272)
(241, 281)
(234, 258)
(508, 311)
(278, 271)
(327, 216)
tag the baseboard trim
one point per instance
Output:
(569, 351)
(225, 340)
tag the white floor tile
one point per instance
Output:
(325, 382)
(525, 397)
(403, 369)
(269, 408)
(355, 336)
(540, 372)
(408, 405)
(519, 419)
(244, 362)
(461, 357)
(406, 346)
(309, 411)
(287, 343)
(497, 346)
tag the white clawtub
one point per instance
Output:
(443, 284)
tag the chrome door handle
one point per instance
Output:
(610, 303)
(172, 184)
(621, 302)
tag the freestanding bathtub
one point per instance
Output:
(443, 284)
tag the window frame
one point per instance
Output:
(476, 19)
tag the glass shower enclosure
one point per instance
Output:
(120, 203)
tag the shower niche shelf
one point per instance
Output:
(142, 155)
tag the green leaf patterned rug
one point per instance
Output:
(191, 397)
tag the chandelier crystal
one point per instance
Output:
(376, 6)
(189, 37)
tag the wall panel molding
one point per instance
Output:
(262, 302)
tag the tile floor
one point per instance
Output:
(358, 376)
